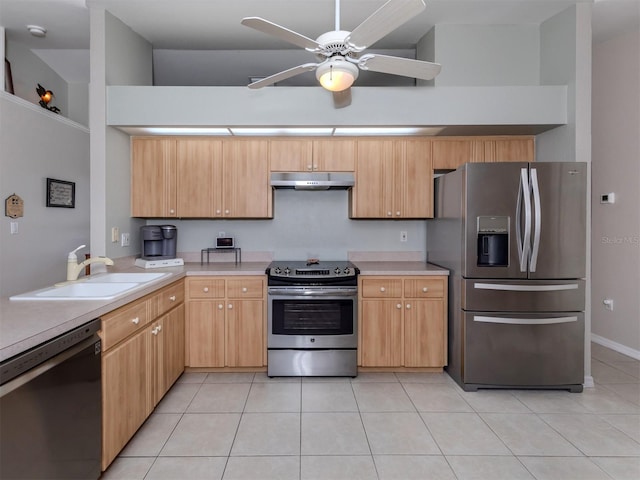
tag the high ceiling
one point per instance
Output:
(214, 25)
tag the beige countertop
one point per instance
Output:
(26, 324)
(400, 268)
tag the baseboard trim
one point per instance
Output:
(618, 347)
(588, 382)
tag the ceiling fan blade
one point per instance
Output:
(292, 72)
(342, 99)
(399, 66)
(382, 22)
(270, 28)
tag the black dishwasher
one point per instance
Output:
(50, 409)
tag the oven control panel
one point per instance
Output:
(317, 270)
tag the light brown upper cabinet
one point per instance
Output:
(394, 179)
(451, 152)
(309, 155)
(516, 149)
(201, 177)
(153, 177)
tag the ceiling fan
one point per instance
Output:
(340, 52)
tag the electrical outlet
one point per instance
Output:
(608, 304)
(115, 234)
(124, 240)
(403, 236)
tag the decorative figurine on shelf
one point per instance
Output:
(45, 97)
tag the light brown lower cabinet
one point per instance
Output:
(143, 355)
(403, 321)
(226, 321)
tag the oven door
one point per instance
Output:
(318, 317)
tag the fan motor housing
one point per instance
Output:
(333, 44)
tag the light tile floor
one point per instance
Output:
(389, 426)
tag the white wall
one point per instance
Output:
(485, 54)
(28, 70)
(37, 144)
(305, 224)
(616, 168)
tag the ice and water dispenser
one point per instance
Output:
(493, 241)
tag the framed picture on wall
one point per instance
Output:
(8, 78)
(61, 193)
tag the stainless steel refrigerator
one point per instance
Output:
(513, 237)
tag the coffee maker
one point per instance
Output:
(158, 242)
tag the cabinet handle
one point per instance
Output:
(425, 289)
(226, 212)
(408, 306)
(218, 211)
(382, 289)
(309, 167)
(244, 290)
(205, 289)
(220, 306)
(172, 298)
(230, 306)
(315, 167)
(135, 321)
(398, 306)
(398, 213)
(172, 211)
(155, 331)
(389, 214)
(159, 328)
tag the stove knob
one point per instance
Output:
(277, 271)
(347, 271)
(337, 271)
(287, 271)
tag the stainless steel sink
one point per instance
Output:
(80, 291)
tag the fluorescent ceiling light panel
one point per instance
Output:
(384, 131)
(187, 131)
(274, 131)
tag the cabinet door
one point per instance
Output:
(449, 154)
(290, 155)
(153, 177)
(381, 333)
(424, 336)
(206, 333)
(198, 162)
(125, 386)
(372, 195)
(413, 180)
(245, 184)
(173, 360)
(509, 150)
(334, 155)
(245, 333)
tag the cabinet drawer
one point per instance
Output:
(205, 288)
(245, 288)
(121, 323)
(424, 288)
(381, 287)
(170, 297)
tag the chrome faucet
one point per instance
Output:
(74, 268)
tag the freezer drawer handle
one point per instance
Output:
(524, 321)
(525, 288)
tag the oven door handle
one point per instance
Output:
(316, 292)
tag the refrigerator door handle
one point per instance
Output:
(537, 221)
(525, 288)
(524, 321)
(524, 241)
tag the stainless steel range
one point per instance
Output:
(312, 318)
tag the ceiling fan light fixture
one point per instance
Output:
(337, 74)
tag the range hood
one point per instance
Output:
(313, 180)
